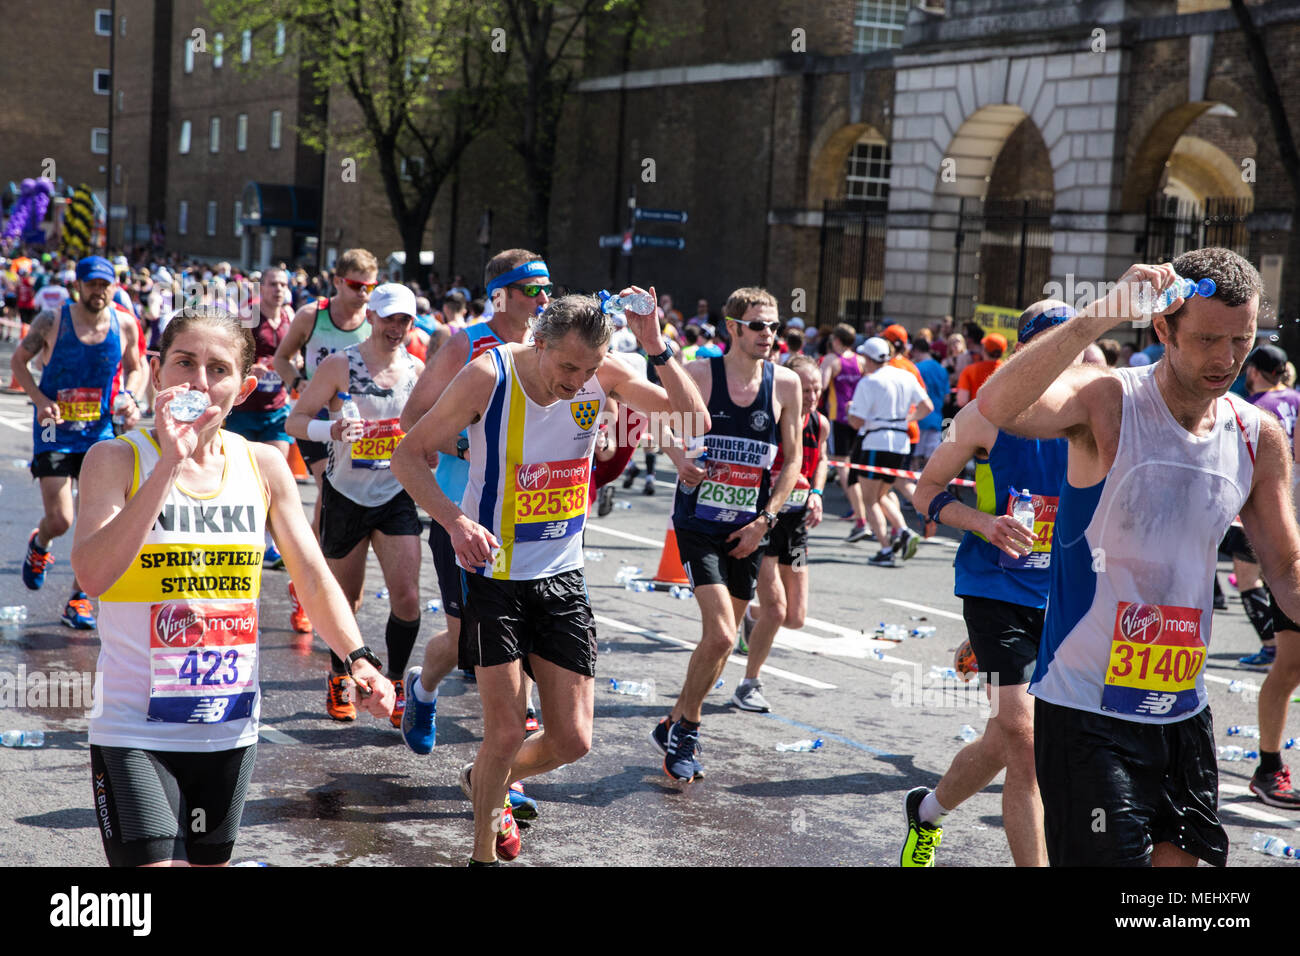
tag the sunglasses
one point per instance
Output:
(533, 291)
(356, 285)
(758, 325)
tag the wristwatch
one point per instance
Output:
(768, 517)
(662, 358)
(362, 652)
(462, 446)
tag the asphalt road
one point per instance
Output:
(332, 794)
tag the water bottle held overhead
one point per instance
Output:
(638, 302)
(1150, 301)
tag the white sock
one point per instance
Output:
(424, 696)
(932, 811)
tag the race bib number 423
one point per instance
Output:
(202, 661)
(1156, 654)
(374, 449)
(550, 499)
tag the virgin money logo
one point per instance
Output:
(719, 471)
(1141, 623)
(178, 625)
(532, 477)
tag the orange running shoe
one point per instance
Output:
(298, 619)
(338, 698)
(399, 706)
(509, 842)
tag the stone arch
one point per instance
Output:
(974, 149)
(830, 153)
(1197, 169)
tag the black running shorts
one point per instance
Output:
(448, 571)
(1112, 789)
(1004, 637)
(1280, 620)
(344, 524)
(707, 560)
(57, 464)
(153, 805)
(788, 540)
(507, 621)
(843, 437)
(1237, 544)
(312, 451)
(879, 459)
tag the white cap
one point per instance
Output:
(876, 349)
(392, 298)
(795, 323)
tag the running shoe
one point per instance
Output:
(399, 705)
(742, 638)
(509, 841)
(1265, 658)
(524, 806)
(1275, 789)
(531, 726)
(515, 801)
(859, 532)
(629, 476)
(749, 696)
(679, 761)
(882, 560)
(338, 697)
(908, 540)
(847, 516)
(419, 720)
(272, 559)
(298, 619)
(922, 839)
(78, 613)
(649, 485)
(605, 500)
(659, 736)
(35, 563)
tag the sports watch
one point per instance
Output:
(768, 517)
(662, 358)
(362, 652)
(462, 446)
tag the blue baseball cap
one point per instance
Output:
(95, 267)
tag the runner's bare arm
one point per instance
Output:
(789, 392)
(40, 335)
(679, 396)
(299, 332)
(1269, 517)
(813, 513)
(316, 587)
(435, 378)
(463, 403)
(830, 368)
(134, 372)
(331, 378)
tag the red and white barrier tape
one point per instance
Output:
(900, 473)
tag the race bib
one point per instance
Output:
(1156, 653)
(202, 658)
(550, 499)
(80, 404)
(1040, 556)
(374, 449)
(730, 493)
(270, 381)
(798, 499)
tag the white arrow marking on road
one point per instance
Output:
(665, 639)
(921, 607)
(16, 425)
(1251, 809)
(846, 645)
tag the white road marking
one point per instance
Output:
(735, 662)
(622, 534)
(1245, 686)
(858, 646)
(16, 425)
(921, 607)
(275, 736)
(1255, 813)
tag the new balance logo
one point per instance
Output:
(727, 517)
(209, 710)
(555, 529)
(1157, 704)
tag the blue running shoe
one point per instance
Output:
(272, 558)
(418, 720)
(78, 613)
(1265, 658)
(659, 736)
(522, 806)
(35, 563)
(683, 745)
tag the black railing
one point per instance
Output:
(851, 272)
(1002, 254)
(1175, 226)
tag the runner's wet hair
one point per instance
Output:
(574, 313)
(210, 316)
(1236, 281)
(742, 300)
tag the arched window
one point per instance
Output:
(866, 174)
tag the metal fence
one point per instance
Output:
(851, 271)
(1003, 254)
(1175, 226)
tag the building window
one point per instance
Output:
(878, 25)
(241, 132)
(246, 46)
(212, 217)
(279, 38)
(103, 83)
(239, 216)
(104, 23)
(218, 49)
(214, 135)
(185, 136)
(99, 140)
(189, 54)
(867, 173)
(183, 218)
(121, 101)
(276, 119)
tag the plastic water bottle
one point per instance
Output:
(1235, 687)
(23, 738)
(626, 573)
(681, 592)
(119, 409)
(433, 607)
(638, 302)
(1150, 301)
(891, 632)
(349, 411)
(879, 654)
(800, 746)
(968, 733)
(1272, 846)
(623, 505)
(1023, 509)
(640, 585)
(1233, 753)
(1247, 730)
(188, 406)
(632, 688)
(718, 685)
(12, 619)
(589, 554)
(921, 632)
(943, 673)
(20, 465)
(382, 594)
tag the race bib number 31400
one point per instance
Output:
(1156, 654)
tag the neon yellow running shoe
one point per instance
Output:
(922, 839)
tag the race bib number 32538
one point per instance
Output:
(1156, 654)
(550, 499)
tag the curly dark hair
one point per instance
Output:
(1236, 280)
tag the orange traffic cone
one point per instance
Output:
(670, 563)
(298, 466)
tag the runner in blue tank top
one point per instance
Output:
(1161, 459)
(92, 368)
(1002, 579)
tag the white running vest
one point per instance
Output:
(1131, 604)
(363, 470)
(529, 471)
(178, 629)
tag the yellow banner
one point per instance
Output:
(209, 572)
(1005, 322)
